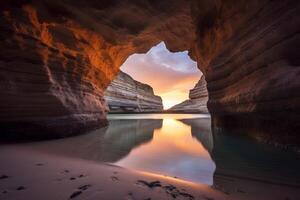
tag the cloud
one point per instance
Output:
(166, 72)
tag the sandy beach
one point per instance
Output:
(31, 174)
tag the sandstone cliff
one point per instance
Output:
(197, 102)
(57, 58)
(125, 94)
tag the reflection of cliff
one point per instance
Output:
(107, 144)
(124, 135)
(201, 130)
(237, 155)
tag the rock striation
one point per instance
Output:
(197, 102)
(58, 57)
(125, 94)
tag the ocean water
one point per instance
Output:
(164, 144)
(182, 146)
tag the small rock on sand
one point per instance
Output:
(39, 164)
(4, 176)
(84, 187)
(21, 188)
(151, 185)
(75, 194)
(114, 178)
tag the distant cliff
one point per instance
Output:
(125, 94)
(197, 101)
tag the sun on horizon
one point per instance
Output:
(171, 75)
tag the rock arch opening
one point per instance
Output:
(57, 57)
(158, 81)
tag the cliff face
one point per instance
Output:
(57, 58)
(197, 102)
(252, 68)
(125, 94)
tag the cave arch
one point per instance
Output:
(170, 76)
(57, 57)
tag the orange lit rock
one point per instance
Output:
(57, 58)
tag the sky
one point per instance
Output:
(171, 75)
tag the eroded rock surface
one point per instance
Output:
(197, 102)
(125, 94)
(57, 58)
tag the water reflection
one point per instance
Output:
(240, 156)
(173, 151)
(123, 135)
(201, 130)
(182, 146)
(168, 144)
(108, 144)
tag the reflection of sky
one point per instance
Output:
(173, 152)
(157, 116)
(171, 75)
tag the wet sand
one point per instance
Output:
(31, 174)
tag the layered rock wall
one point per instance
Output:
(248, 53)
(57, 58)
(249, 58)
(197, 102)
(125, 94)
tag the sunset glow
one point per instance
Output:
(184, 153)
(171, 75)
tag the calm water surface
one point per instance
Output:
(171, 149)
(179, 145)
